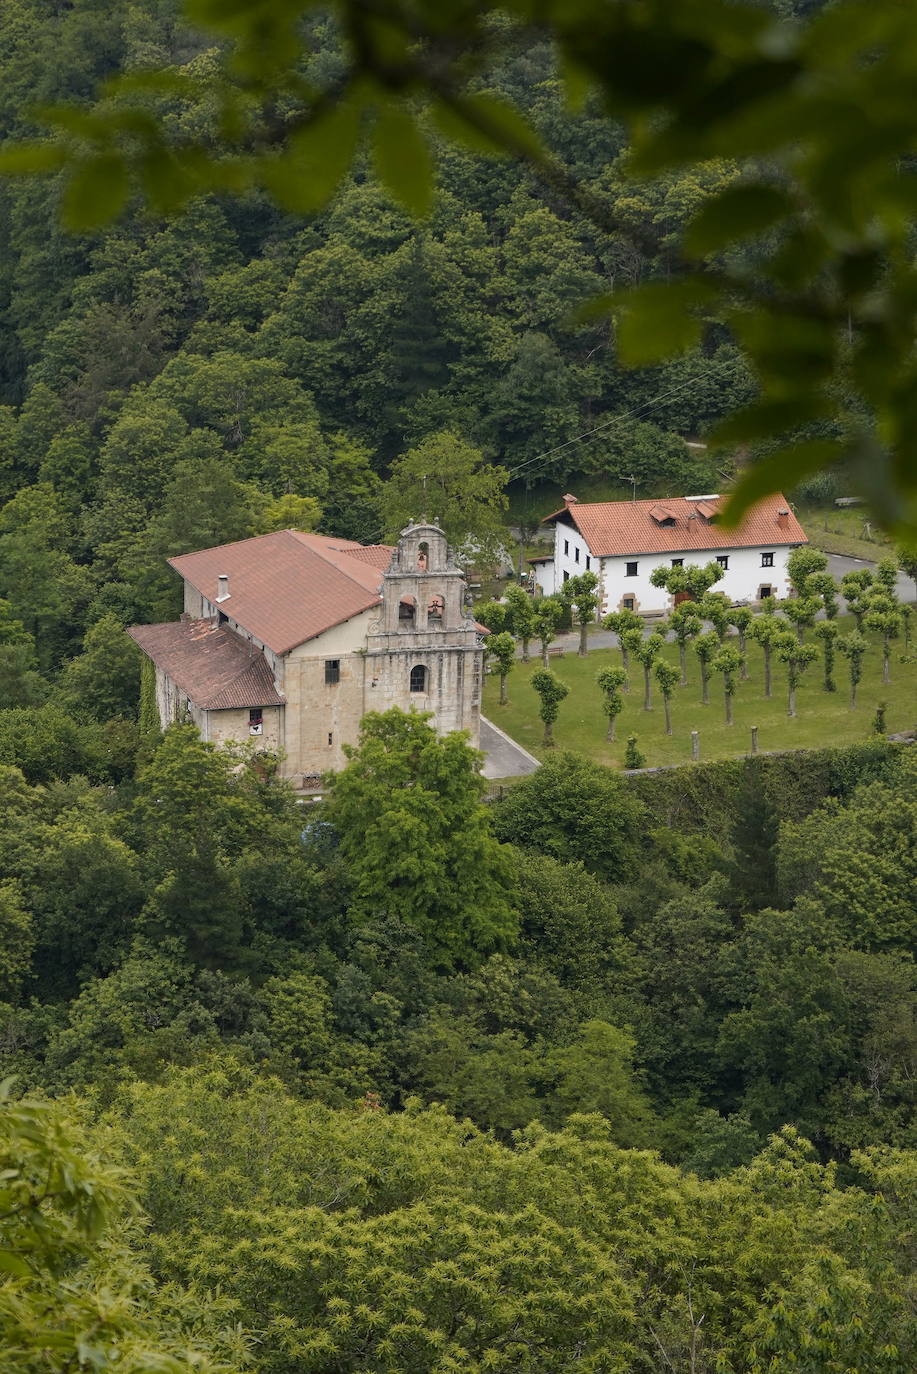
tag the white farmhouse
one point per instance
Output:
(623, 542)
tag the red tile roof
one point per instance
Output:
(615, 528)
(287, 587)
(215, 668)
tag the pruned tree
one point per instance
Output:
(715, 608)
(822, 584)
(549, 612)
(884, 615)
(740, 617)
(520, 611)
(693, 579)
(685, 624)
(728, 661)
(493, 614)
(646, 651)
(855, 586)
(803, 563)
(706, 646)
(853, 646)
(502, 649)
(667, 676)
(552, 692)
(766, 629)
(797, 658)
(582, 596)
(620, 622)
(827, 632)
(801, 612)
(612, 682)
(887, 576)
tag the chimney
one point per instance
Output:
(571, 500)
(223, 587)
(783, 518)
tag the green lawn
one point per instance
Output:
(823, 718)
(844, 530)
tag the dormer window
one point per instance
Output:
(663, 515)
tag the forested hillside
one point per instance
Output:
(615, 1074)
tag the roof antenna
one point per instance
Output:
(634, 481)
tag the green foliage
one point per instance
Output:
(573, 810)
(411, 829)
(581, 593)
(551, 692)
(446, 479)
(633, 758)
(611, 683)
(502, 649)
(74, 1287)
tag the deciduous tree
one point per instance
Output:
(667, 676)
(549, 612)
(502, 649)
(728, 661)
(581, 594)
(827, 633)
(412, 832)
(551, 692)
(611, 683)
(797, 658)
(685, 624)
(853, 646)
(706, 646)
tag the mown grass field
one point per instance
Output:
(843, 530)
(822, 718)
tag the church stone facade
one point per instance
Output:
(291, 638)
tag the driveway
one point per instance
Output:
(504, 758)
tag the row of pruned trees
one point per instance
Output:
(780, 628)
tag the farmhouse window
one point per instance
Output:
(588, 562)
(678, 562)
(566, 546)
(576, 555)
(767, 560)
(631, 570)
(254, 716)
(332, 671)
(628, 603)
(723, 560)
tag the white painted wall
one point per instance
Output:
(742, 580)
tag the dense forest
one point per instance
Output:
(613, 1074)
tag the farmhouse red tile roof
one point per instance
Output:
(615, 528)
(215, 668)
(287, 587)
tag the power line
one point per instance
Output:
(615, 419)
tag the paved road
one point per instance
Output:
(606, 639)
(504, 757)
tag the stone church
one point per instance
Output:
(291, 638)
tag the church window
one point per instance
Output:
(423, 557)
(419, 678)
(332, 671)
